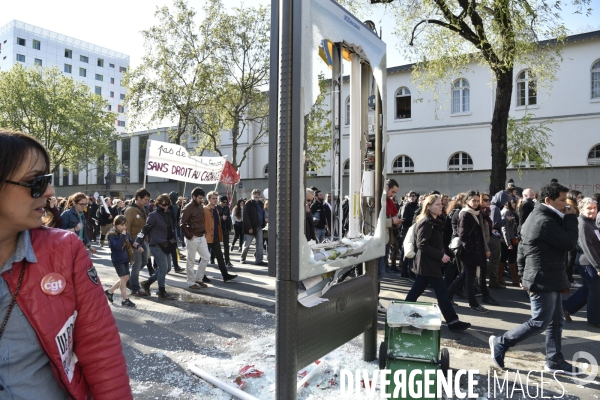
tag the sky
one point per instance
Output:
(116, 24)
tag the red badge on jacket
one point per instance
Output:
(53, 284)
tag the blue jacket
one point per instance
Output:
(70, 221)
(118, 250)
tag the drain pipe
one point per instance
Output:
(240, 394)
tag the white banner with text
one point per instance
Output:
(169, 160)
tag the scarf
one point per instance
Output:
(474, 213)
(390, 208)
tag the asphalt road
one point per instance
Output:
(225, 321)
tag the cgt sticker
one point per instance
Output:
(64, 341)
(93, 275)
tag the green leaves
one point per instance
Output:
(318, 129)
(70, 121)
(528, 143)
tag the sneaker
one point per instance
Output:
(139, 293)
(195, 286)
(205, 279)
(230, 265)
(229, 277)
(459, 326)
(576, 285)
(127, 303)
(109, 295)
(381, 309)
(564, 368)
(180, 270)
(204, 285)
(497, 352)
(480, 309)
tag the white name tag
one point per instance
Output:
(64, 341)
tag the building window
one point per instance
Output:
(112, 80)
(109, 107)
(98, 90)
(461, 101)
(56, 177)
(594, 156)
(403, 103)
(122, 96)
(121, 123)
(403, 165)
(68, 53)
(348, 110)
(99, 77)
(20, 57)
(526, 89)
(111, 65)
(100, 170)
(36, 44)
(121, 108)
(460, 162)
(84, 59)
(82, 72)
(100, 62)
(66, 173)
(346, 170)
(68, 68)
(21, 41)
(596, 80)
(112, 94)
(37, 61)
(266, 171)
(126, 156)
(122, 69)
(75, 178)
(142, 157)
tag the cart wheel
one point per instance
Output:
(383, 349)
(445, 361)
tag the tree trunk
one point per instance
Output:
(499, 130)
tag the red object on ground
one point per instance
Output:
(250, 372)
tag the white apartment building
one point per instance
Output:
(98, 67)
(446, 143)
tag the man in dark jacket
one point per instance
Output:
(407, 216)
(550, 231)
(226, 225)
(253, 225)
(317, 209)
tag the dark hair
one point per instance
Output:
(596, 197)
(163, 198)
(511, 180)
(572, 195)
(391, 183)
(553, 180)
(237, 211)
(224, 198)
(198, 191)
(552, 191)
(317, 193)
(14, 148)
(472, 193)
(141, 193)
(314, 188)
(119, 220)
(434, 192)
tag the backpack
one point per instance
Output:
(410, 242)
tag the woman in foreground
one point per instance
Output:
(58, 333)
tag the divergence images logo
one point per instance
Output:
(589, 360)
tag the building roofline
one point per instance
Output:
(68, 40)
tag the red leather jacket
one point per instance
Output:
(98, 369)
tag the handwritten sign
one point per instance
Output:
(169, 160)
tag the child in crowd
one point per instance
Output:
(121, 248)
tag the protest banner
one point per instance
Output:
(171, 161)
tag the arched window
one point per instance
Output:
(526, 89)
(461, 101)
(403, 165)
(460, 162)
(346, 170)
(594, 156)
(596, 80)
(266, 171)
(403, 103)
(348, 110)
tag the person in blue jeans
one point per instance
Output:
(588, 265)
(429, 259)
(547, 235)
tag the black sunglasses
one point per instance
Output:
(38, 185)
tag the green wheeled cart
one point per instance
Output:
(412, 343)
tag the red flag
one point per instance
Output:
(229, 176)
